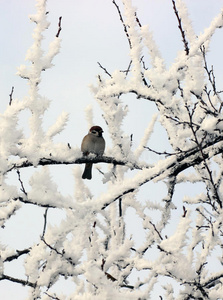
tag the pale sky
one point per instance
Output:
(91, 33)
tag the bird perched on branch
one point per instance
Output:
(94, 143)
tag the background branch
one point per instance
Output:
(59, 27)
(186, 48)
(10, 96)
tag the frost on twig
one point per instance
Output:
(186, 47)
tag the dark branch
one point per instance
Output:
(128, 69)
(16, 280)
(10, 96)
(161, 153)
(213, 281)
(186, 48)
(104, 69)
(211, 78)
(21, 182)
(204, 157)
(17, 255)
(154, 226)
(182, 162)
(27, 201)
(123, 23)
(120, 207)
(61, 254)
(119, 196)
(59, 27)
(82, 160)
(52, 297)
(45, 222)
(52, 248)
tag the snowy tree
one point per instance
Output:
(95, 247)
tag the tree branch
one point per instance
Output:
(45, 222)
(52, 297)
(200, 147)
(16, 280)
(172, 168)
(27, 201)
(186, 48)
(104, 69)
(17, 255)
(123, 23)
(181, 157)
(21, 182)
(10, 96)
(59, 27)
(82, 160)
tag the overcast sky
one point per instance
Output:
(91, 33)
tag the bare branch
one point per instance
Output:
(16, 280)
(52, 297)
(123, 23)
(186, 48)
(211, 78)
(61, 254)
(105, 70)
(161, 153)
(27, 201)
(45, 222)
(17, 255)
(128, 69)
(21, 182)
(200, 147)
(59, 27)
(184, 212)
(154, 226)
(10, 96)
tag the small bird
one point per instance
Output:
(94, 143)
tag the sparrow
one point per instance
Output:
(94, 143)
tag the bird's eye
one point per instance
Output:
(94, 131)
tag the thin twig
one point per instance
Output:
(52, 248)
(128, 69)
(211, 78)
(21, 182)
(62, 254)
(27, 201)
(123, 23)
(120, 207)
(161, 153)
(52, 297)
(216, 196)
(137, 20)
(104, 69)
(10, 96)
(154, 226)
(45, 222)
(59, 27)
(186, 48)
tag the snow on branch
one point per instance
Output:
(181, 28)
(58, 126)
